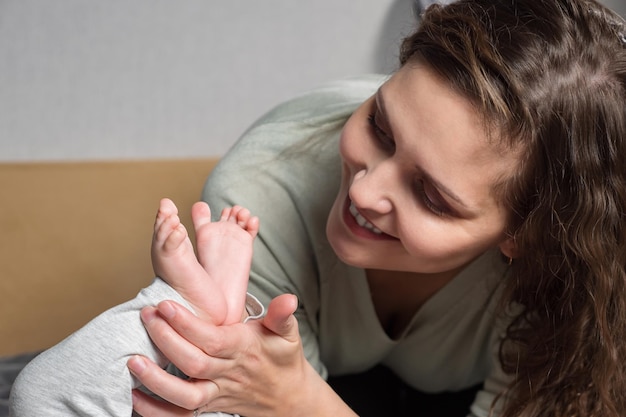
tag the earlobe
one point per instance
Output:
(508, 247)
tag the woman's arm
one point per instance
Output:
(255, 369)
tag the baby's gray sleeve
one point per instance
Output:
(86, 374)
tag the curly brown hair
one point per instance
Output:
(549, 76)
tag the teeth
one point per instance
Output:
(361, 220)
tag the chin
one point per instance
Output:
(348, 253)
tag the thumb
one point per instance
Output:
(280, 319)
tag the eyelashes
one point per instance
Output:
(426, 199)
(383, 138)
(385, 141)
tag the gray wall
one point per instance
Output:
(618, 5)
(87, 79)
(135, 79)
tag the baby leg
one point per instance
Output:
(174, 261)
(225, 250)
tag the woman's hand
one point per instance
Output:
(255, 369)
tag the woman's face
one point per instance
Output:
(418, 178)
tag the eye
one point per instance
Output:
(384, 139)
(431, 199)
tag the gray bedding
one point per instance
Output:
(10, 366)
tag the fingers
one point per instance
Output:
(280, 319)
(173, 316)
(223, 361)
(148, 406)
(196, 347)
(182, 394)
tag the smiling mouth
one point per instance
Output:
(362, 221)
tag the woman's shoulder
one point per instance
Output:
(301, 126)
(327, 100)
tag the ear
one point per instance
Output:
(508, 247)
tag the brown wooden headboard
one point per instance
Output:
(75, 240)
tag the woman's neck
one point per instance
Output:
(397, 296)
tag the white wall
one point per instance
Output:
(132, 79)
(111, 79)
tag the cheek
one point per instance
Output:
(422, 240)
(435, 240)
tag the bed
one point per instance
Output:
(75, 241)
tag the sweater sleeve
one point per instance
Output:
(86, 374)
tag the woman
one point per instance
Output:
(476, 239)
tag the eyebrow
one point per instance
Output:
(380, 101)
(445, 190)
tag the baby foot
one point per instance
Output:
(174, 261)
(225, 250)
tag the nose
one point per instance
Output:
(371, 189)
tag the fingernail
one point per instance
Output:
(147, 314)
(136, 364)
(167, 310)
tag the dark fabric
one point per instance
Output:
(10, 366)
(378, 393)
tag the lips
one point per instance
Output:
(362, 221)
(360, 226)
